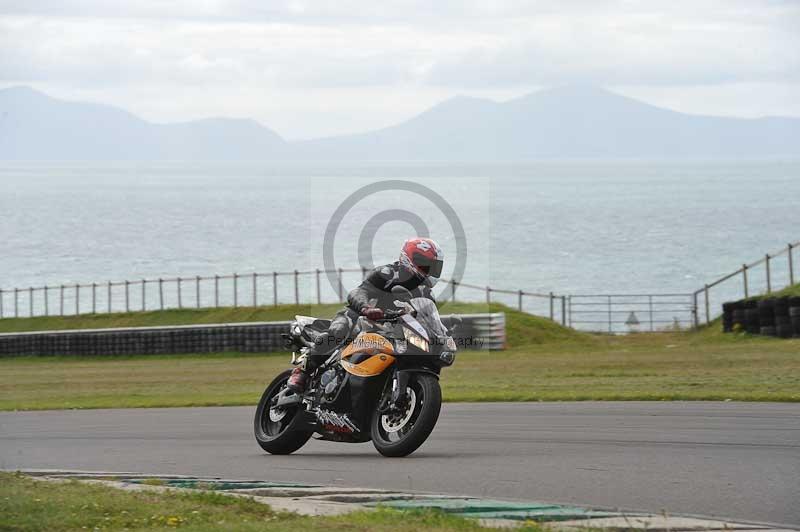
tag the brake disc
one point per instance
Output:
(395, 421)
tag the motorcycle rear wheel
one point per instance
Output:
(277, 436)
(400, 434)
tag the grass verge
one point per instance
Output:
(28, 504)
(544, 362)
(670, 366)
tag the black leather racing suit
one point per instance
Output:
(374, 291)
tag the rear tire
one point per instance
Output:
(425, 413)
(278, 437)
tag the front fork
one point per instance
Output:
(394, 393)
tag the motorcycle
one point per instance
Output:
(383, 386)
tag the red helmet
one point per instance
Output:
(423, 257)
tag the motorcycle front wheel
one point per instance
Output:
(401, 432)
(274, 427)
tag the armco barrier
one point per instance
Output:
(477, 331)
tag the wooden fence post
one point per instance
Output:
(46, 302)
(519, 300)
(16, 302)
(488, 295)
(744, 279)
(274, 289)
(791, 264)
(180, 295)
(552, 314)
(216, 291)
(255, 289)
(197, 291)
(708, 307)
(127, 296)
(453, 284)
(77, 299)
(769, 279)
(61, 301)
(108, 297)
(235, 289)
(341, 286)
(144, 295)
(30, 302)
(564, 310)
(161, 293)
(296, 290)
(94, 298)
(319, 296)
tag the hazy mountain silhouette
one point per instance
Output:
(566, 122)
(34, 126)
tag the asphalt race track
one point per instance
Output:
(728, 460)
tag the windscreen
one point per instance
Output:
(428, 317)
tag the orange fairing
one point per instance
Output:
(378, 347)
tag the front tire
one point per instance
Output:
(400, 434)
(274, 430)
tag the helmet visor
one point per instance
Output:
(428, 266)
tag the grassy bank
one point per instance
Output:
(27, 504)
(200, 316)
(641, 367)
(544, 362)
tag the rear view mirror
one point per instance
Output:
(455, 323)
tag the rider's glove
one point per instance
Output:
(372, 313)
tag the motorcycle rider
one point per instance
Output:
(417, 270)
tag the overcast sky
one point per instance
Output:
(314, 68)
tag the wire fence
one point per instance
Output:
(237, 290)
(612, 313)
(770, 273)
(623, 313)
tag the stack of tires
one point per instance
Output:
(771, 316)
(794, 314)
(766, 314)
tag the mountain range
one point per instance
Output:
(571, 122)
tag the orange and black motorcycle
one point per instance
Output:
(382, 386)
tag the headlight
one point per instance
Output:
(417, 340)
(446, 358)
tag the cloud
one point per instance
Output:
(353, 48)
(348, 43)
